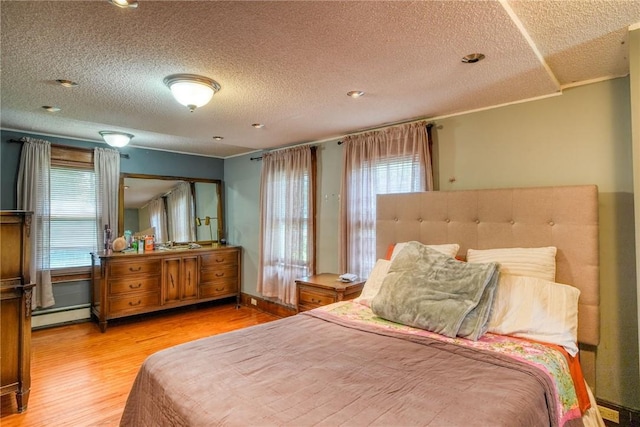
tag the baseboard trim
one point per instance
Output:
(267, 306)
(56, 318)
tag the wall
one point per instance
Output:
(242, 193)
(634, 73)
(580, 137)
(142, 161)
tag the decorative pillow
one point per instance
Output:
(429, 290)
(536, 309)
(449, 249)
(531, 262)
(373, 283)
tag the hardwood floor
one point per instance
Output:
(82, 377)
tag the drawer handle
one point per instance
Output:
(219, 259)
(133, 304)
(219, 289)
(315, 300)
(135, 287)
(219, 274)
(173, 285)
(135, 269)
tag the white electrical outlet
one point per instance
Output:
(253, 301)
(609, 414)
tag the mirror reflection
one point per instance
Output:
(179, 210)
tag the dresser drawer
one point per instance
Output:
(119, 269)
(217, 259)
(314, 298)
(134, 302)
(222, 287)
(220, 273)
(134, 284)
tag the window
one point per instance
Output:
(398, 174)
(294, 254)
(394, 160)
(73, 217)
(287, 225)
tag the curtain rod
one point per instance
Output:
(284, 148)
(429, 125)
(122, 155)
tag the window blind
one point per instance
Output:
(73, 217)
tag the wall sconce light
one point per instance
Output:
(116, 139)
(207, 221)
(191, 90)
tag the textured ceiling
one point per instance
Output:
(289, 65)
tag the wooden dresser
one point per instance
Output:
(325, 288)
(15, 310)
(125, 284)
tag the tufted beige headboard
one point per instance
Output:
(564, 217)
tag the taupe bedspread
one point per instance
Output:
(305, 370)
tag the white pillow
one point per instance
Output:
(450, 249)
(531, 262)
(373, 283)
(536, 309)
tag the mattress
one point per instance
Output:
(342, 365)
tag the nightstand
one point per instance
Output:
(325, 288)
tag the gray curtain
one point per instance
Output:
(106, 163)
(34, 196)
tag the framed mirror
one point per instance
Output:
(173, 209)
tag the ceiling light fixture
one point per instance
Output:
(66, 83)
(125, 4)
(218, 138)
(115, 139)
(472, 58)
(258, 125)
(191, 90)
(355, 93)
(51, 108)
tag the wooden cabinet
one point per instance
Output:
(126, 284)
(15, 306)
(325, 288)
(180, 279)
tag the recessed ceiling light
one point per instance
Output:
(125, 4)
(355, 93)
(66, 83)
(472, 58)
(258, 125)
(218, 138)
(51, 108)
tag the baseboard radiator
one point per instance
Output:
(59, 316)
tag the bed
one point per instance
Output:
(344, 364)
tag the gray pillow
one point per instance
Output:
(428, 290)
